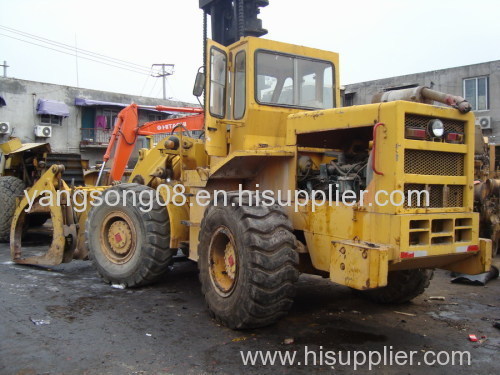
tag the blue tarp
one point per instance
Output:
(51, 107)
(2, 102)
(82, 102)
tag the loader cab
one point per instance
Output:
(255, 84)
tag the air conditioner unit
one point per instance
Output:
(43, 131)
(484, 122)
(4, 127)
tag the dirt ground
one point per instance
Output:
(93, 328)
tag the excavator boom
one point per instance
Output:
(127, 130)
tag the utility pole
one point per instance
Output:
(5, 66)
(166, 70)
(76, 61)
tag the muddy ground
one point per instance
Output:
(92, 328)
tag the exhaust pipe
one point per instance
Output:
(422, 94)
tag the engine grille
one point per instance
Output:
(439, 196)
(434, 163)
(455, 195)
(421, 122)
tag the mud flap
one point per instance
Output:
(478, 263)
(359, 265)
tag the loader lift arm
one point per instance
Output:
(127, 129)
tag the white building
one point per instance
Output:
(71, 119)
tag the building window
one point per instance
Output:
(156, 117)
(349, 99)
(110, 115)
(476, 92)
(50, 120)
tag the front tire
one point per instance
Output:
(402, 286)
(129, 246)
(248, 263)
(10, 188)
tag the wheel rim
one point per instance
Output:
(223, 261)
(118, 238)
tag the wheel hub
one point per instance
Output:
(120, 237)
(230, 261)
(223, 261)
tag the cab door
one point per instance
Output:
(237, 104)
(216, 100)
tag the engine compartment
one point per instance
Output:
(335, 172)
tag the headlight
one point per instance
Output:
(436, 128)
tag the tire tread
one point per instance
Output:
(157, 254)
(10, 188)
(272, 265)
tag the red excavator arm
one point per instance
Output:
(127, 129)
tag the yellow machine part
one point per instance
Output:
(356, 245)
(68, 224)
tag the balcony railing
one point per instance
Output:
(95, 137)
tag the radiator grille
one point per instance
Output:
(434, 163)
(455, 196)
(421, 122)
(439, 196)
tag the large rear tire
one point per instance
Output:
(248, 263)
(402, 286)
(129, 246)
(10, 188)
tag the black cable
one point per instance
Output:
(179, 126)
(73, 48)
(71, 54)
(205, 37)
(199, 102)
(303, 178)
(340, 171)
(125, 139)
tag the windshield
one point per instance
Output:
(287, 80)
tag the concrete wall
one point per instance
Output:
(21, 97)
(446, 80)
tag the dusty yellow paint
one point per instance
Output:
(356, 245)
(359, 265)
(65, 221)
(261, 151)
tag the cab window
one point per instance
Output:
(293, 81)
(239, 85)
(218, 65)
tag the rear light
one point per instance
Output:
(454, 138)
(415, 133)
(472, 248)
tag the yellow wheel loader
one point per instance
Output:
(287, 181)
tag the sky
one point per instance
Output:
(375, 39)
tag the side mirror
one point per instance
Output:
(199, 84)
